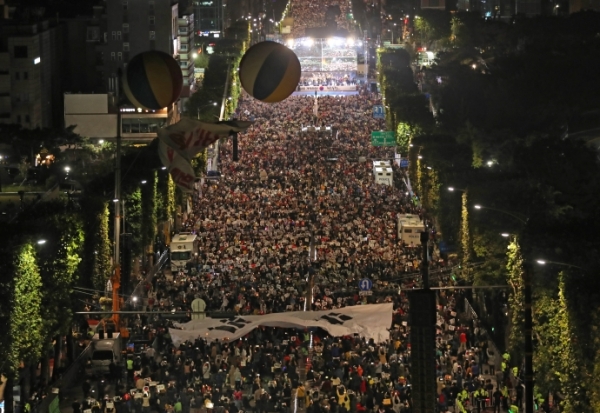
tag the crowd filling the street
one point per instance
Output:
(301, 205)
(294, 225)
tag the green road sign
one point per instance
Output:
(380, 138)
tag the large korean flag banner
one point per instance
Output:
(369, 321)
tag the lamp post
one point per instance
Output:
(563, 264)
(512, 214)
(214, 104)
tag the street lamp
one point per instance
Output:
(205, 106)
(524, 221)
(41, 241)
(452, 189)
(564, 264)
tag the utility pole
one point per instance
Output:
(116, 279)
(422, 339)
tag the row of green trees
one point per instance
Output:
(39, 280)
(504, 97)
(56, 246)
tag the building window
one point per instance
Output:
(119, 56)
(152, 35)
(17, 76)
(25, 75)
(183, 47)
(118, 35)
(114, 35)
(125, 27)
(143, 125)
(152, 20)
(125, 47)
(20, 52)
(112, 55)
(125, 4)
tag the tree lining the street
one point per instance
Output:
(505, 108)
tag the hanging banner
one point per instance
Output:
(189, 137)
(181, 169)
(369, 321)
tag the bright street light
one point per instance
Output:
(41, 241)
(144, 181)
(505, 234)
(67, 168)
(419, 157)
(115, 200)
(163, 168)
(512, 214)
(564, 264)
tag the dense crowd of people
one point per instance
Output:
(293, 225)
(307, 14)
(295, 204)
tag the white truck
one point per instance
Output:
(104, 351)
(382, 173)
(410, 228)
(184, 250)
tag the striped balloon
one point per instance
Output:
(152, 80)
(269, 71)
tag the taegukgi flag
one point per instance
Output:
(370, 321)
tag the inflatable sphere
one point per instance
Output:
(152, 80)
(269, 71)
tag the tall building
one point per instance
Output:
(30, 78)
(135, 26)
(209, 15)
(83, 62)
(186, 54)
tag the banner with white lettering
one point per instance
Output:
(188, 137)
(181, 169)
(369, 321)
(179, 143)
